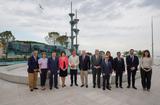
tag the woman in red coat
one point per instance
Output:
(63, 65)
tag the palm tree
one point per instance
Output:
(63, 40)
(51, 37)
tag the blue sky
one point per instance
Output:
(115, 25)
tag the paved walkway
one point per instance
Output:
(19, 94)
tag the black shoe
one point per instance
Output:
(134, 87)
(31, 90)
(82, 85)
(50, 88)
(116, 86)
(56, 87)
(128, 86)
(86, 86)
(103, 89)
(36, 88)
(121, 87)
(94, 86)
(71, 85)
(76, 84)
(99, 87)
(109, 88)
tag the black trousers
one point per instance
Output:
(106, 78)
(118, 77)
(96, 77)
(55, 80)
(43, 76)
(73, 73)
(146, 79)
(133, 74)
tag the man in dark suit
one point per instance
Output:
(33, 69)
(84, 66)
(132, 62)
(106, 66)
(96, 68)
(53, 67)
(119, 69)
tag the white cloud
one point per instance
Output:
(115, 25)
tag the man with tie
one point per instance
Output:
(132, 62)
(106, 66)
(96, 61)
(53, 66)
(119, 69)
(84, 66)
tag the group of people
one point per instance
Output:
(100, 65)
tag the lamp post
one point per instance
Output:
(76, 30)
(152, 33)
(73, 23)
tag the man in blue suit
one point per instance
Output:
(53, 67)
(33, 69)
(132, 62)
(106, 67)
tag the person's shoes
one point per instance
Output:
(36, 88)
(86, 86)
(71, 85)
(128, 86)
(76, 84)
(134, 88)
(82, 85)
(121, 87)
(57, 87)
(109, 88)
(99, 87)
(103, 89)
(116, 86)
(50, 88)
(94, 86)
(31, 90)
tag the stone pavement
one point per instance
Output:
(19, 94)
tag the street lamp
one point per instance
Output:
(76, 30)
(73, 23)
(152, 33)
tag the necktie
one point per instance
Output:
(83, 58)
(132, 58)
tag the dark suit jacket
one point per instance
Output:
(131, 63)
(96, 62)
(53, 65)
(106, 69)
(32, 64)
(84, 64)
(119, 66)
